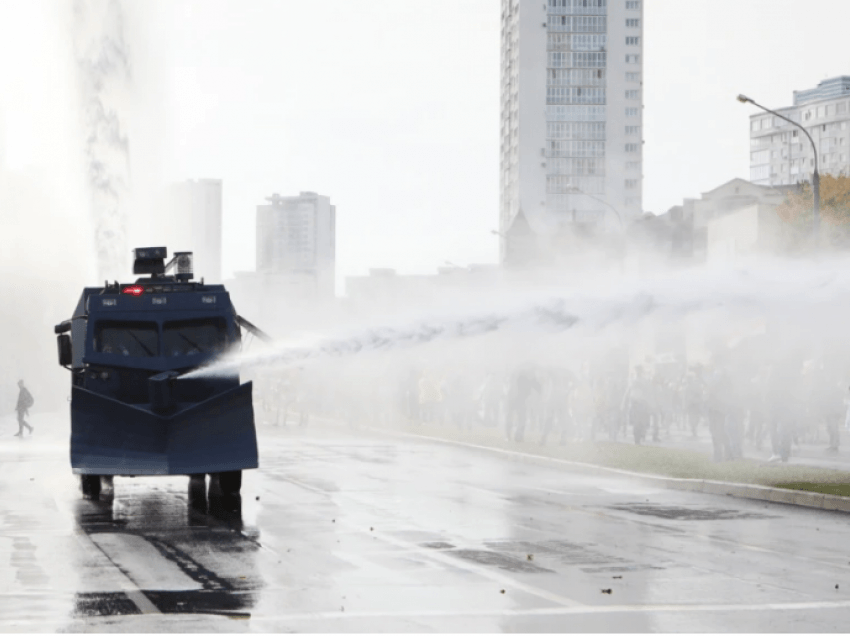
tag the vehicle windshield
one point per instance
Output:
(132, 339)
(194, 337)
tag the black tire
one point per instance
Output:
(91, 486)
(198, 485)
(198, 492)
(230, 482)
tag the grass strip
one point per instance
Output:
(658, 461)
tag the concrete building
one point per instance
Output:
(571, 112)
(734, 219)
(188, 219)
(296, 244)
(780, 154)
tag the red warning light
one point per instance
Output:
(135, 290)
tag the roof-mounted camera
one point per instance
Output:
(149, 260)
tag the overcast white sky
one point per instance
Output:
(392, 108)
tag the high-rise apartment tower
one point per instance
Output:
(296, 241)
(780, 154)
(571, 112)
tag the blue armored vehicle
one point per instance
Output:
(134, 409)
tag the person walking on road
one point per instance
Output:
(25, 401)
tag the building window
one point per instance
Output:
(632, 77)
(632, 147)
(633, 23)
(632, 59)
(631, 184)
(841, 108)
(580, 95)
(632, 130)
(579, 59)
(632, 40)
(577, 24)
(632, 94)
(588, 42)
(575, 77)
(577, 167)
(581, 7)
(630, 201)
(575, 130)
(632, 112)
(633, 165)
(575, 113)
(760, 156)
(558, 148)
(633, 5)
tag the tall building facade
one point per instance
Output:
(571, 112)
(296, 243)
(780, 154)
(188, 219)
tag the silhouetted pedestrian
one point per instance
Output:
(25, 401)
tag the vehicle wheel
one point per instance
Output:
(230, 482)
(91, 486)
(198, 492)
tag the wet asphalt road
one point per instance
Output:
(345, 531)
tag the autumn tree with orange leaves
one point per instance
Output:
(797, 212)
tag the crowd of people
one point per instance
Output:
(737, 401)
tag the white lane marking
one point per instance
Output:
(143, 564)
(503, 579)
(559, 611)
(122, 581)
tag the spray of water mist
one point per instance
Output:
(747, 329)
(103, 64)
(784, 293)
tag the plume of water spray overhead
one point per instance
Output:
(751, 322)
(587, 312)
(104, 71)
(551, 316)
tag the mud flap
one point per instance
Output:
(113, 438)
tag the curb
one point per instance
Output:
(803, 498)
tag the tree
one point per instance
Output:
(797, 212)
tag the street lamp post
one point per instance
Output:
(815, 177)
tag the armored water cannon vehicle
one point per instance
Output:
(136, 408)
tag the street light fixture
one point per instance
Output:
(815, 177)
(575, 190)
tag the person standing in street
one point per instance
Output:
(25, 401)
